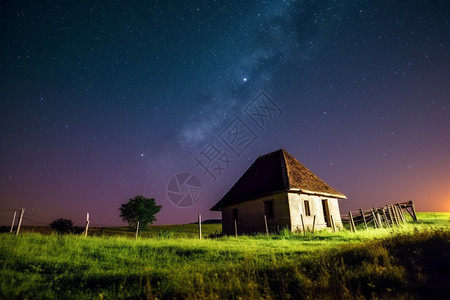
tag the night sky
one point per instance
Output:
(102, 101)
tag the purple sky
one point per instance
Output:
(102, 102)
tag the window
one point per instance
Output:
(268, 209)
(307, 210)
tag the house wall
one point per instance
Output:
(297, 210)
(288, 207)
(251, 215)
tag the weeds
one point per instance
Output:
(410, 261)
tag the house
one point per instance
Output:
(283, 190)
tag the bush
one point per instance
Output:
(62, 226)
(165, 234)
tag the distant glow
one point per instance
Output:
(245, 79)
(446, 205)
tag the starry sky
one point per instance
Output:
(103, 101)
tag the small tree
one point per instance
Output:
(139, 211)
(62, 225)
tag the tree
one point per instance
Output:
(62, 225)
(139, 210)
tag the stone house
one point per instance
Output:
(278, 190)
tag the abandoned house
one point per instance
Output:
(279, 191)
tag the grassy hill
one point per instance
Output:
(410, 261)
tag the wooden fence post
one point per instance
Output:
(399, 209)
(352, 224)
(379, 217)
(375, 221)
(137, 230)
(332, 223)
(413, 210)
(397, 216)
(364, 217)
(397, 221)
(314, 223)
(391, 217)
(401, 213)
(385, 218)
(350, 221)
(265, 224)
(382, 217)
(235, 228)
(87, 225)
(20, 220)
(303, 224)
(199, 227)
(13, 220)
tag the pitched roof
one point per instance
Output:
(275, 172)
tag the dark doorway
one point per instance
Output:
(326, 212)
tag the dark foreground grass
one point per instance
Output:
(410, 262)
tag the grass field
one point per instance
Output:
(411, 261)
(152, 231)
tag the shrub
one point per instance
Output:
(62, 226)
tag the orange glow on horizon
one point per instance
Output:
(443, 202)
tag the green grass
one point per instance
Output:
(160, 231)
(411, 261)
(152, 231)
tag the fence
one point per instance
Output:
(387, 216)
(383, 217)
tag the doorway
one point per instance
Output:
(326, 212)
